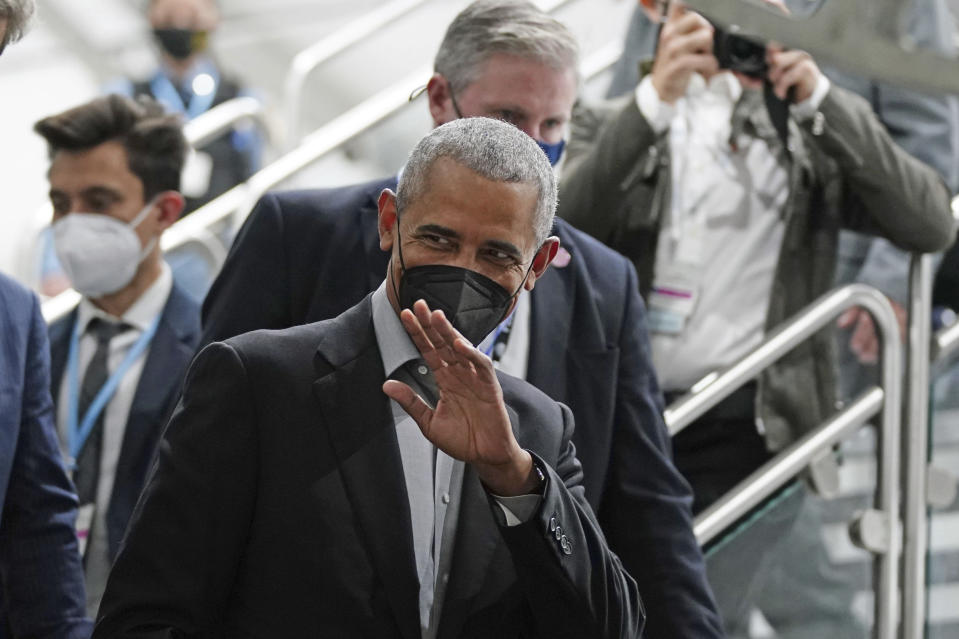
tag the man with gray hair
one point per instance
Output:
(580, 336)
(373, 475)
(14, 15)
(41, 580)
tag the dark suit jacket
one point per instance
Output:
(41, 581)
(170, 353)
(278, 509)
(309, 255)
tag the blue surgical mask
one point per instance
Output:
(553, 151)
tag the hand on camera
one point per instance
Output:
(685, 47)
(792, 69)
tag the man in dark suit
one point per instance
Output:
(310, 255)
(41, 582)
(189, 81)
(303, 490)
(120, 356)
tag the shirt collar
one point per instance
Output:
(396, 347)
(141, 313)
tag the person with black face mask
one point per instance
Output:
(373, 475)
(579, 336)
(190, 82)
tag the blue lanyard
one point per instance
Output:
(505, 325)
(79, 431)
(166, 93)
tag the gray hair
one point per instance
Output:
(487, 27)
(17, 14)
(493, 149)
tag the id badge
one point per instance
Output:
(673, 298)
(84, 524)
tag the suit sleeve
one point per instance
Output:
(39, 560)
(575, 585)
(176, 567)
(646, 509)
(252, 290)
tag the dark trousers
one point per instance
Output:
(714, 454)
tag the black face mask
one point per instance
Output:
(181, 43)
(473, 303)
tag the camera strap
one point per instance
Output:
(778, 112)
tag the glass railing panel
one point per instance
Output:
(790, 569)
(942, 612)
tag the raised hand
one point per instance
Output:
(470, 422)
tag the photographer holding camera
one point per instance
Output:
(726, 177)
(689, 43)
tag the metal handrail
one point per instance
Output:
(924, 355)
(308, 60)
(208, 126)
(329, 138)
(793, 460)
(915, 441)
(765, 481)
(715, 387)
(364, 116)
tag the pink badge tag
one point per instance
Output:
(562, 258)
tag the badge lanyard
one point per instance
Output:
(502, 331)
(79, 431)
(166, 93)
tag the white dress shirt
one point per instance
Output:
(719, 244)
(139, 316)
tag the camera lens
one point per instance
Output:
(741, 49)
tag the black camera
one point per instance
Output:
(740, 53)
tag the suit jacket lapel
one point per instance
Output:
(363, 437)
(566, 319)
(551, 311)
(376, 259)
(171, 350)
(170, 353)
(59, 349)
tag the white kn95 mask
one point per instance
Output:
(99, 254)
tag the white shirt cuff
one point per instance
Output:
(519, 509)
(806, 109)
(658, 113)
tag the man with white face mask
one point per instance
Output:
(114, 180)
